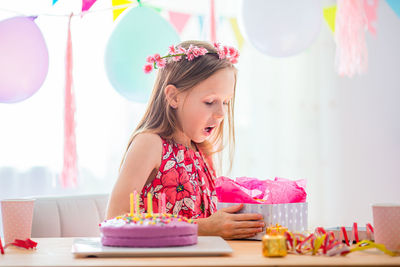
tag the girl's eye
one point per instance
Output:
(209, 103)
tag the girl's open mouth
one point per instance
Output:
(208, 130)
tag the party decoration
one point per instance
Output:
(150, 204)
(118, 11)
(280, 28)
(395, 5)
(330, 16)
(158, 62)
(236, 31)
(352, 18)
(54, 1)
(24, 59)
(70, 170)
(27, 243)
(213, 30)
(371, 7)
(201, 23)
(179, 20)
(139, 33)
(323, 242)
(87, 4)
(131, 204)
(274, 242)
(1, 247)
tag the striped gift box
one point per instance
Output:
(291, 215)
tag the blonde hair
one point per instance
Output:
(161, 119)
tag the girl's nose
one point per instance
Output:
(219, 111)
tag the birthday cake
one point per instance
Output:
(148, 230)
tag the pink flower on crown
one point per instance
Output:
(194, 51)
(150, 59)
(232, 51)
(203, 51)
(148, 68)
(171, 50)
(160, 62)
(181, 50)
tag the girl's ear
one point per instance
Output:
(171, 94)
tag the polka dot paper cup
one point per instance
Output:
(387, 225)
(17, 217)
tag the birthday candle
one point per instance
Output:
(136, 197)
(131, 204)
(150, 203)
(159, 203)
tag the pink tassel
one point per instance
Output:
(213, 29)
(70, 172)
(371, 7)
(352, 19)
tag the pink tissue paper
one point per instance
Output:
(255, 191)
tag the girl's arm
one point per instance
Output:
(227, 224)
(142, 158)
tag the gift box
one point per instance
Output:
(280, 201)
(291, 215)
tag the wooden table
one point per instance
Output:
(57, 252)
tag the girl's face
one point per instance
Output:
(203, 108)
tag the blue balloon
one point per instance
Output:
(140, 33)
(395, 5)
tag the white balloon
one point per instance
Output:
(280, 28)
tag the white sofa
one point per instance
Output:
(68, 216)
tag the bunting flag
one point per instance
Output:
(54, 1)
(236, 31)
(179, 20)
(213, 30)
(201, 26)
(87, 4)
(70, 170)
(330, 16)
(117, 12)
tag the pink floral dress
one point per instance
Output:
(186, 180)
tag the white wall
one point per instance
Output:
(360, 131)
(298, 119)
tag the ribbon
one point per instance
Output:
(323, 242)
(1, 247)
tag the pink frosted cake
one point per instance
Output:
(146, 230)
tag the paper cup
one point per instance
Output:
(387, 225)
(17, 217)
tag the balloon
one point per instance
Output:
(281, 28)
(24, 59)
(140, 33)
(395, 5)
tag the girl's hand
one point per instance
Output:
(228, 225)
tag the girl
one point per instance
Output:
(171, 149)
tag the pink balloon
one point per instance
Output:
(24, 59)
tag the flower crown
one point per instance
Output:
(158, 62)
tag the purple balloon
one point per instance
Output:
(24, 59)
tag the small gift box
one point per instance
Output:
(280, 201)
